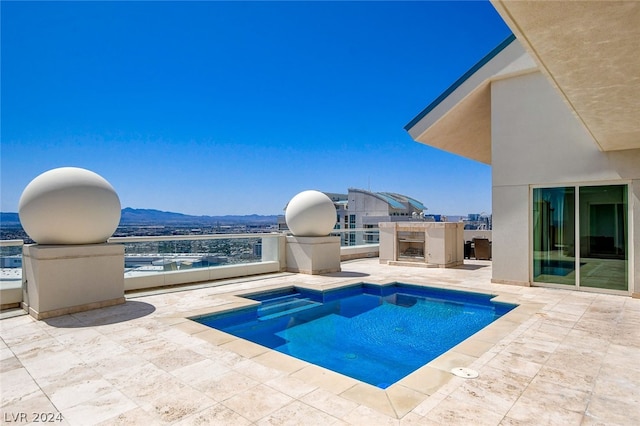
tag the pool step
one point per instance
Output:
(285, 307)
(280, 302)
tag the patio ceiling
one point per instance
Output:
(589, 51)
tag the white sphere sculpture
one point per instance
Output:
(310, 214)
(69, 205)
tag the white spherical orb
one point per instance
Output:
(69, 205)
(310, 214)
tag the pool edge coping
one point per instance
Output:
(401, 397)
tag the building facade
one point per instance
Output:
(565, 186)
(365, 209)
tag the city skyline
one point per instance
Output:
(215, 108)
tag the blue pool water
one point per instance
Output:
(376, 334)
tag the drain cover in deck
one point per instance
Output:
(466, 373)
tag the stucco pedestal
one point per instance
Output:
(313, 255)
(64, 279)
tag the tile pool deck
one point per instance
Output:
(562, 357)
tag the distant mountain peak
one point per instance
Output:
(131, 216)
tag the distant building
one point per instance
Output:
(478, 221)
(11, 261)
(361, 209)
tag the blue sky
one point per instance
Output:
(215, 108)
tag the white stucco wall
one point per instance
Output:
(536, 139)
(510, 245)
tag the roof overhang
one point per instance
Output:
(589, 52)
(459, 120)
(587, 49)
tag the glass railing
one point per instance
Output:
(357, 236)
(154, 255)
(11, 261)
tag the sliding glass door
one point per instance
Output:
(554, 235)
(580, 236)
(603, 237)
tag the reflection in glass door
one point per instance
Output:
(554, 235)
(603, 237)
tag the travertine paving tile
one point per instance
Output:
(244, 348)
(451, 411)
(494, 389)
(8, 361)
(79, 392)
(533, 351)
(143, 362)
(34, 348)
(258, 402)
(430, 403)
(473, 347)
(146, 388)
(298, 413)
(214, 336)
(126, 362)
(597, 328)
(91, 346)
(330, 403)
(173, 360)
(403, 399)
(547, 395)
(426, 380)
(515, 364)
(291, 386)
(568, 378)
(370, 396)
(143, 373)
(280, 361)
(98, 409)
(414, 419)
(367, 416)
(585, 340)
(29, 407)
(216, 415)
(257, 371)
(225, 386)
(620, 383)
(200, 371)
(328, 380)
(48, 367)
(608, 411)
(135, 416)
(181, 402)
(580, 359)
(452, 359)
(530, 413)
(17, 384)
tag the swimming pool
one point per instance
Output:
(373, 333)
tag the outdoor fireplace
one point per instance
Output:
(431, 244)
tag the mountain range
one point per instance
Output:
(130, 216)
